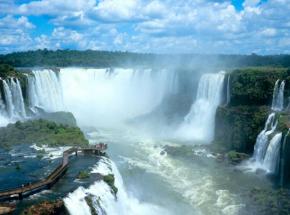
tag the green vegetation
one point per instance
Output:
(239, 123)
(283, 122)
(237, 127)
(64, 58)
(60, 117)
(236, 157)
(179, 151)
(254, 86)
(8, 71)
(41, 132)
(46, 208)
(270, 202)
(110, 180)
(89, 201)
(83, 174)
(17, 167)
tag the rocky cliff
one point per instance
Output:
(250, 94)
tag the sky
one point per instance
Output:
(158, 26)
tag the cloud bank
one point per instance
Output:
(161, 26)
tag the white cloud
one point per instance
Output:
(116, 10)
(55, 7)
(9, 22)
(269, 32)
(152, 25)
(15, 32)
(251, 3)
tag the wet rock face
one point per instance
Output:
(47, 208)
(237, 127)
(269, 202)
(236, 157)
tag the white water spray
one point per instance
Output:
(105, 97)
(103, 199)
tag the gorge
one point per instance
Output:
(169, 132)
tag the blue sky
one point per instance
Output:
(160, 26)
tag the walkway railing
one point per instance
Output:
(28, 189)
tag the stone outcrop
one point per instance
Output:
(237, 127)
(239, 122)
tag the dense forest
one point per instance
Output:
(62, 58)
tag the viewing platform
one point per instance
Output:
(31, 188)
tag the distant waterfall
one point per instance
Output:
(45, 91)
(228, 91)
(8, 99)
(109, 96)
(268, 142)
(14, 99)
(278, 96)
(200, 121)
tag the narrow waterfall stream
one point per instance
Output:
(14, 108)
(268, 143)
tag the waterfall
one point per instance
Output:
(228, 91)
(263, 138)
(200, 121)
(103, 199)
(45, 91)
(14, 99)
(268, 142)
(272, 154)
(3, 114)
(8, 99)
(278, 96)
(18, 100)
(108, 97)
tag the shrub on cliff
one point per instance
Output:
(8, 71)
(254, 86)
(110, 180)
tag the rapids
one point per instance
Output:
(149, 179)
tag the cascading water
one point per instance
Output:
(103, 198)
(18, 100)
(14, 99)
(108, 98)
(278, 96)
(3, 113)
(263, 138)
(45, 91)
(228, 91)
(8, 99)
(272, 153)
(200, 121)
(266, 150)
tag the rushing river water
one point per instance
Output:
(150, 178)
(194, 183)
